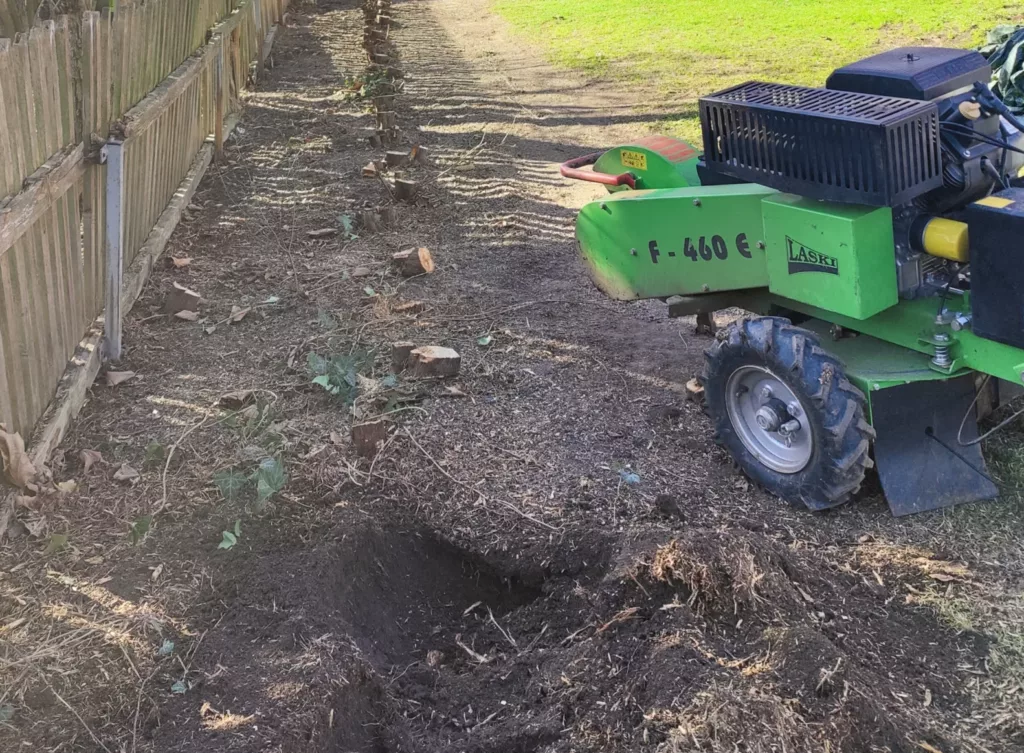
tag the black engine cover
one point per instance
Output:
(912, 73)
(997, 266)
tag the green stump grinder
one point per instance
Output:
(874, 228)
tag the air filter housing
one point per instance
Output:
(913, 72)
(831, 145)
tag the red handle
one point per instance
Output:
(571, 169)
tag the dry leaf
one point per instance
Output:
(238, 314)
(94, 561)
(336, 438)
(927, 697)
(36, 527)
(925, 746)
(67, 487)
(126, 473)
(188, 316)
(115, 378)
(941, 577)
(157, 571)
(180, 262)
(454, 391)
(250, 413)
(17, 466)
(89, 458)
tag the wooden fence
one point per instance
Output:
(149, 81)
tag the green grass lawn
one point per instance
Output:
(680, 49)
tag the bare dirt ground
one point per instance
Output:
(496, 579)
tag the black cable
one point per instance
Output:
(945, 292)
(988, 98)
(993, 171)
(991, 431)
(961, 130)
(1006, 152)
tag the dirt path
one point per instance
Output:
(496, 579)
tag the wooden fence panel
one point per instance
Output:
(97, 113)
(159, 153)
(144, 65)
(42, 308)
(37, 101)
(17, 16)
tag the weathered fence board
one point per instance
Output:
(144, 70)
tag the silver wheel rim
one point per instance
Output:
(769, 419)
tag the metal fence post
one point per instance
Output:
(218, 110)
(114, 153)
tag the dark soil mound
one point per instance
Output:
(708, 641)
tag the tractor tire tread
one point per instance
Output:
(843, 435)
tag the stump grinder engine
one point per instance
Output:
(874, 228)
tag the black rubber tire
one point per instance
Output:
(835, 409)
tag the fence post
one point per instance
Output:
(114, 153)
(218, 114)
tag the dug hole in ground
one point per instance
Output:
(542, 552)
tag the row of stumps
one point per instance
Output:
(382, 56)
(387, 78)
(402, 156)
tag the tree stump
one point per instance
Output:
(406, 190)
(435, 361)
(694, 391)
(389, 216)
(419, 156)
(396, 158)
(401, 354)
(414, 261)
(368, 437)
(370, 222)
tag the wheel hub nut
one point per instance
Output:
(767, 418)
